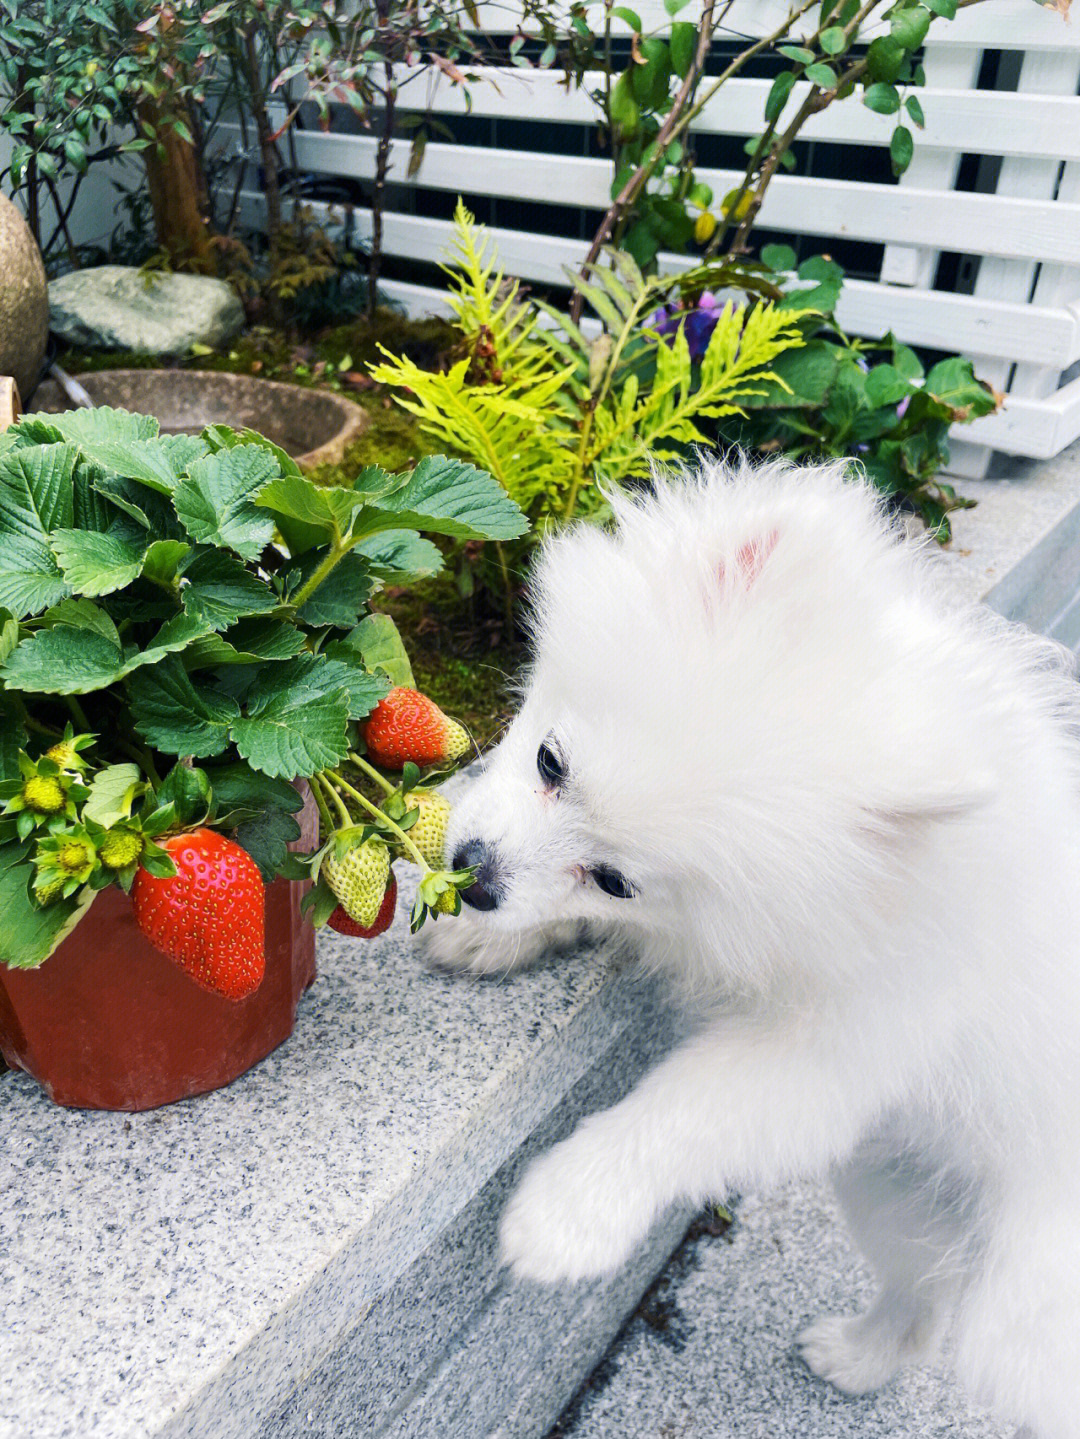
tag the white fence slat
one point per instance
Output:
(931, 169)
(1056, 72)
(958, 118)
(1000, 24)
(1024, 229)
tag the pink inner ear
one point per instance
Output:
(752, 556)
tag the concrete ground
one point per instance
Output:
(709, 1353)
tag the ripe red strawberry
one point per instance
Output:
(344, 924)
(210, 916)
(406, 725)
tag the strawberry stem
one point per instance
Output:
(342, 809)
(324, 813)
(384, 819)
(370, 771)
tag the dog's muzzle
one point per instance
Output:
(485, 892)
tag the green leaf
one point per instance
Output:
(346, 665)
(798, 53)
(394, 554)
(907, 362)
(162, 559)
(94, 563)
(292, 727)
(822, 75)
(28, 933)
(380, 644)
(248, 642)
(901, 149)
(884, 99)
(267, 839)
(947, 8)
(915, 110)
(122, 444)
(218, 590)
(884, 58)
(778, 257)
(240, 789)
(84, 615)
(778, 95)
(684, 37)
(446, 497)
(63, 660)
(175, 716)
(216, 502)
(187, 788)
(113, 791)
(341, 596)
(628, 17)
(833, 40)
(35, 498)
(909, 27)
(885, 385)
(326, 508)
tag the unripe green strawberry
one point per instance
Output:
(429, 831)
(359, 879)
(340, 921)
(406, 725)
(46, 893)
(121, 847)
(44, 794)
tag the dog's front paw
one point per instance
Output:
(851, 1353)
(574, 1215)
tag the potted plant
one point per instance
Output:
(198, 714)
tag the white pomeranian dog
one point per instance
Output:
(759, 741)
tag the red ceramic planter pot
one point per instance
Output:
(109, 1022)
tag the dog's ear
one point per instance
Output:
(951, 799)
(749, 561)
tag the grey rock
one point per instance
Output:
(117, 307)
(24, 305)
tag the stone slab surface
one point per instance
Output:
(181, 1272)
(118, 307)
(710, 1353)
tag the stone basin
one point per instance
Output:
(313, 426)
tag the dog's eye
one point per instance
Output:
(612, 882)
(552, 770)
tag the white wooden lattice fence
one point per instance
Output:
(1022, 321)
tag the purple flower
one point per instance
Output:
(699, 321)
(901, 409)
(699, 327)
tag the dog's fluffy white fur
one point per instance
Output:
(851, 816)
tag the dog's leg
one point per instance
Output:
(1018, 1324)
(739, 1104)
(911, 1231)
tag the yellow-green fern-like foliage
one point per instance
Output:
(551, 412)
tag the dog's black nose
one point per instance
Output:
(485, 891)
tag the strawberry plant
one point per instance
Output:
(185, 636)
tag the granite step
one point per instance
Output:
(709, 1353)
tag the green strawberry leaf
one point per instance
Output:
(293, 725)
(446, 497)
(219, 590)
(327, 509)
(35, 498)
(162, 559)
(175, 716)
(82, 615)
(113, 791)
(346, 665)
(248, 642)
(239, 788)
(341, 597)
(215, 502)
(267, 838)
(64, 660)
(13, 738)
(94, 563)
(380, 644)
(398, 554)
